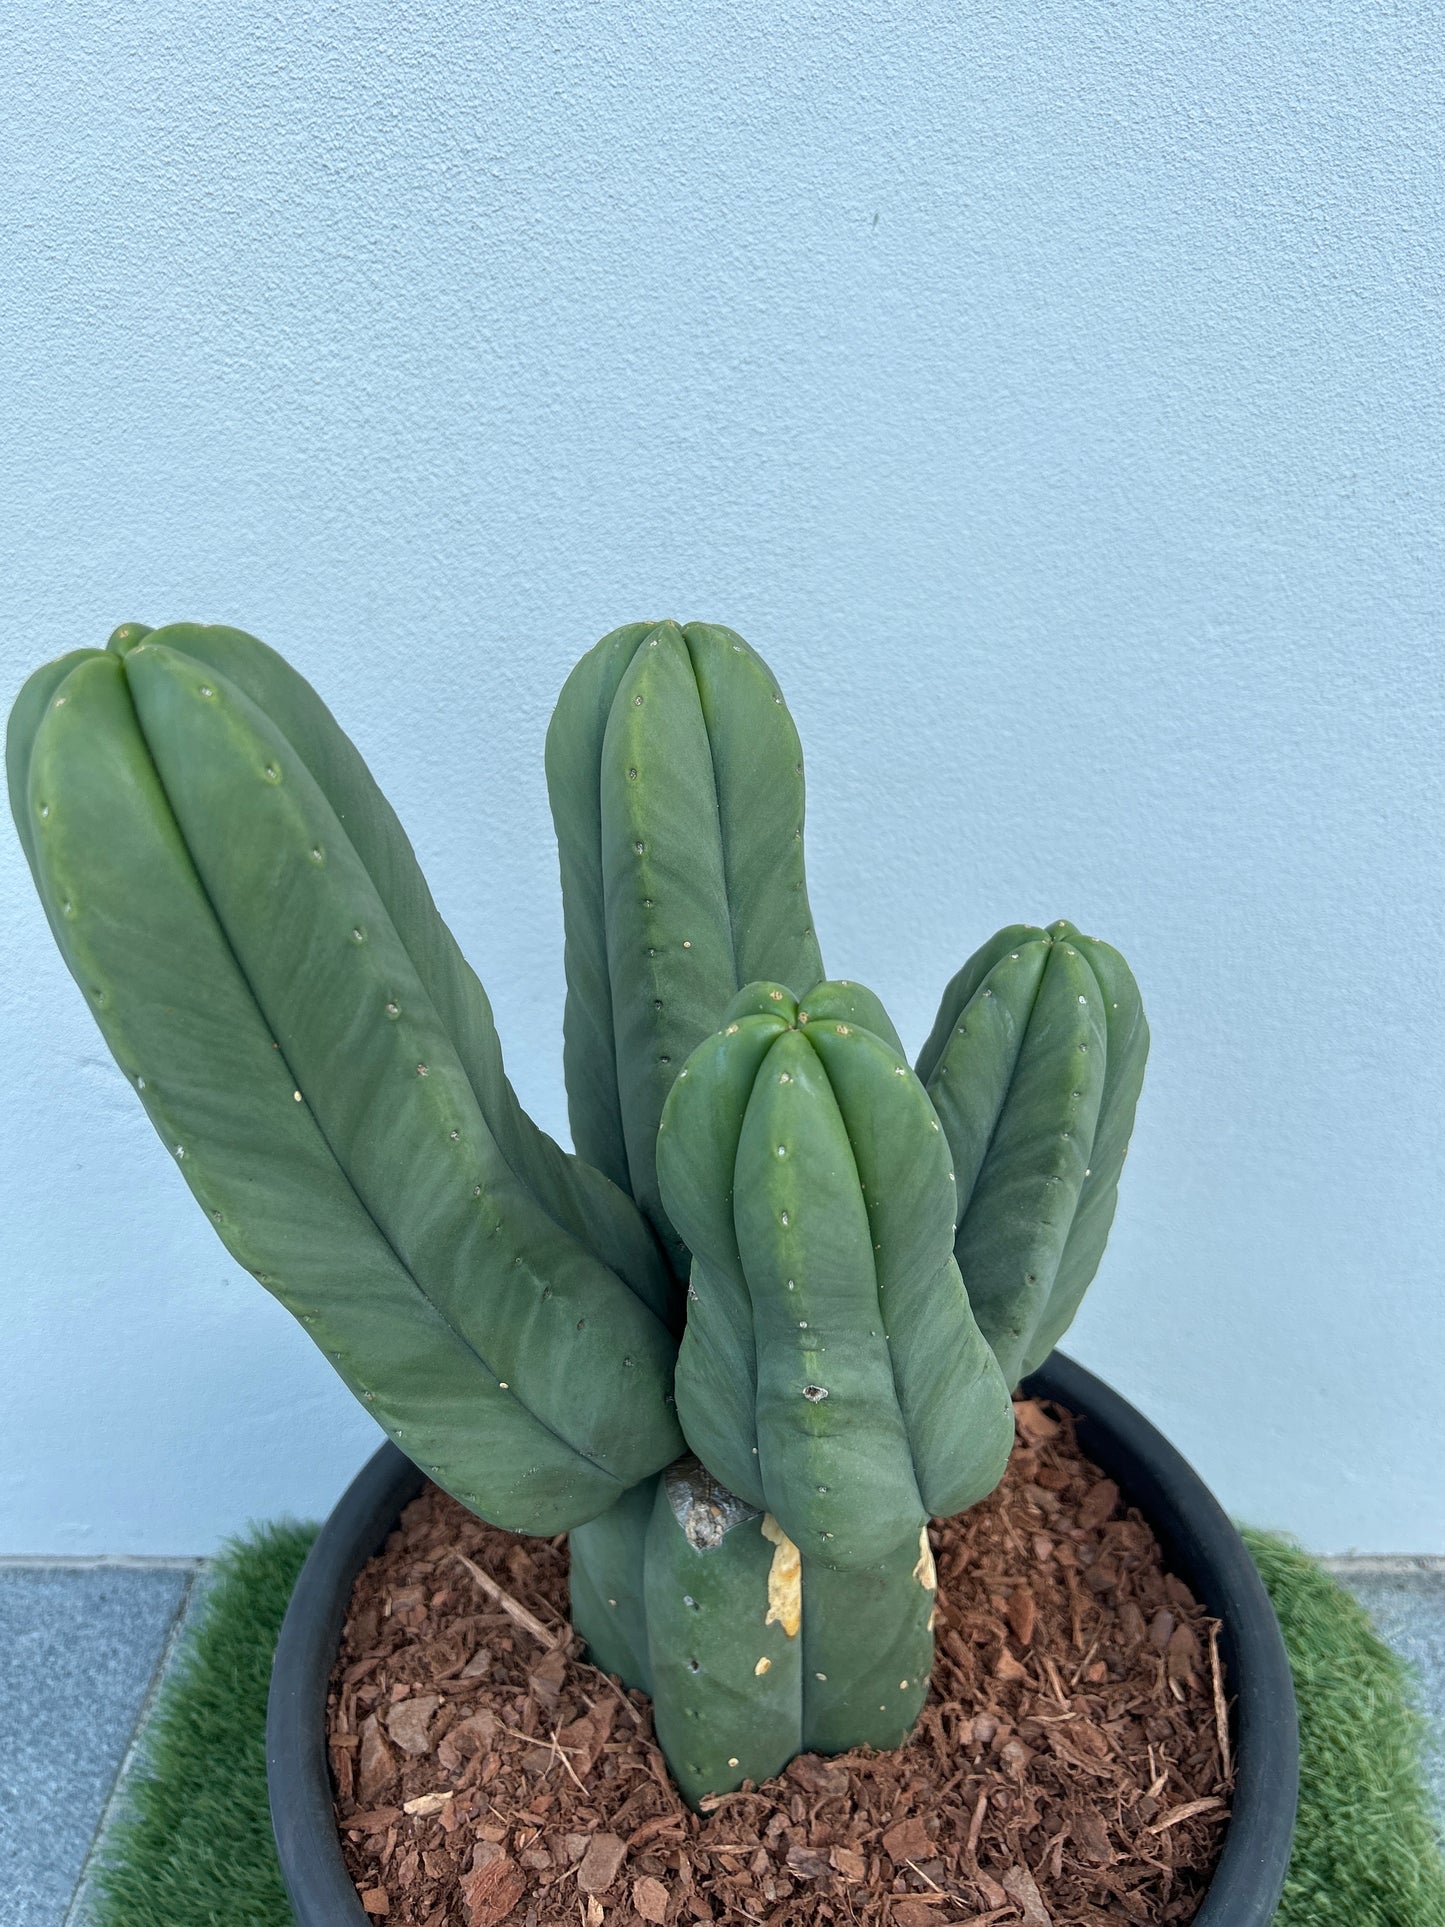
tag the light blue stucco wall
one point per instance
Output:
(1051, 391)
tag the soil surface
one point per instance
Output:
(1071, 1766)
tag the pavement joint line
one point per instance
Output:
(1398, 1565)
(97, 1562)
(116, 1797)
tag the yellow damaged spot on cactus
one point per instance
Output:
(732, 1762)
(295, 1097)
(785, 1580)
(764, 1665)
(925, 1572)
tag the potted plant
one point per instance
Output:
(764, 1323)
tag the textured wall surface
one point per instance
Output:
(1052, 392)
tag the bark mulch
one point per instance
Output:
(1071, 1767)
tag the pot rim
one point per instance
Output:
(1201, 1544)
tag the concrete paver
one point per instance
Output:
(1406, 1600)
(79, 1649)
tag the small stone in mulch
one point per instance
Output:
(1070, 1769)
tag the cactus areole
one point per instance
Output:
(764, 1321)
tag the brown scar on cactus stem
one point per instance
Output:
(785, 1580)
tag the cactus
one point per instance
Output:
(762, 1323)
(831, 1372)
(676, 781)
(1035, 1063)
(267, 1005)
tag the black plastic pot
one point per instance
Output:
(1201, 1546)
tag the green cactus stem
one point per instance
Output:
(676, 782)
(263, 1000)
(753, 1653)
(606, 1579)
(723, 1646)
(573, 1192)
(1034, 1065)
(831, 1373)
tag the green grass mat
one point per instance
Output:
(195, 1848)
(1365, 1851)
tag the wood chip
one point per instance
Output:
(908, 1840)
(1221, 1708)
(1034, 1422)
(511, 1607)
(490, 1894)
(1186, 1812)
(425, 1803)
(917, 1910)
(649, 1898)
(376, 1764)
(601, 1863)
(1099, 1503)
(1021, 1887)
(1021, 1614)
(408, 1723)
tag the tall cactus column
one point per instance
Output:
(324, 1072)
(676, 781)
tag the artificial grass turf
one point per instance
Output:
(195, 1849)
(1365, 1848)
